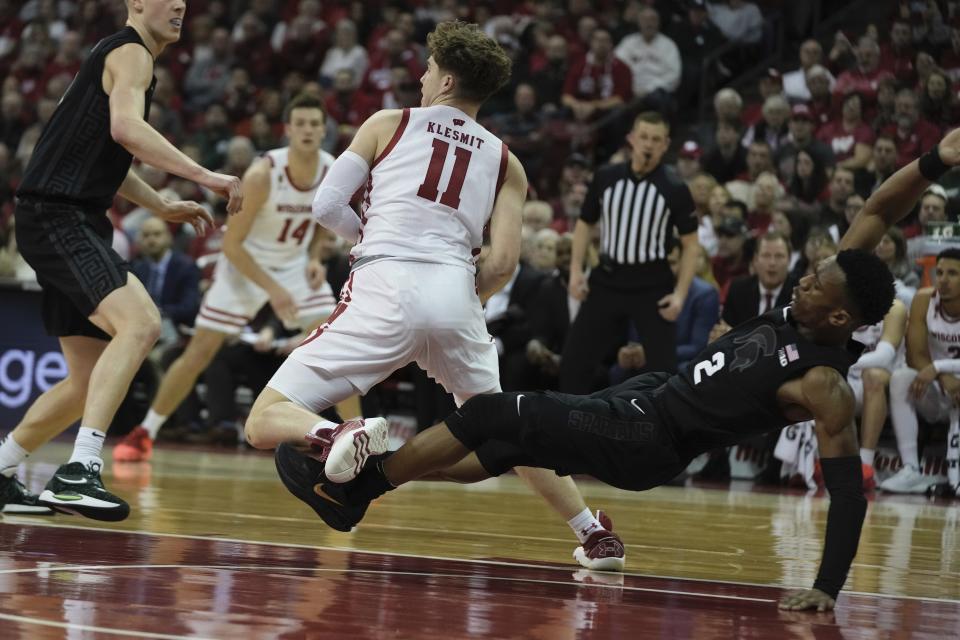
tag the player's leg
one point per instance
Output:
(51, 413)
(873, 415)
(903, 412)
(177, 382)
(129, 315)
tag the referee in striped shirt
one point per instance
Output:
(638, 205)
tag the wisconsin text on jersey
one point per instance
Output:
(459, 136)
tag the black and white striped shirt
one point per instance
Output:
(638, 214)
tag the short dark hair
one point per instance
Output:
(774, 236)
(303, 101)
(870, 288)
(949, 254)
(885, 136)
(477, 61)
(652, 117)
(739, 205)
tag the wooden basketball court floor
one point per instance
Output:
(216, 548)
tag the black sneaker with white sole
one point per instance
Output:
(77, 489)
(16, 500)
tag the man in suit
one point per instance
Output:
(170, 277)
(508, 317)
(769, 287)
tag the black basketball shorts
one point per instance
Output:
(571, 435)
(70, 250)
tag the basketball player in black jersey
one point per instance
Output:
(102, 314)
(789, 364)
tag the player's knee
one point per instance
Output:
(254, 430)
(875, 380)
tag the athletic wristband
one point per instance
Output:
(843, 478)
(880, 358)
(947, 365)
(932, 166)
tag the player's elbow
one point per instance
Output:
(121, 130)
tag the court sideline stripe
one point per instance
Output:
(501, 563)
(382, 572)
(86, 627)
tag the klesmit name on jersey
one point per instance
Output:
(294, 208)
(459, 136)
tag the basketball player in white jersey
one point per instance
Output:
(434, 177)
(869, 377)
(930, 383)
(270, 254)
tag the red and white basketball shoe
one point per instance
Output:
(353, 443)
(136, 446)
(603, 550)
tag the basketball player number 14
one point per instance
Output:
(430, 187)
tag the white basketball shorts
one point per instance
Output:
(232, 300)
(393, 312)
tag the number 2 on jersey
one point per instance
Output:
(298, 234)
(708, 367)
(430, 187)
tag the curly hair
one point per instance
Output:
(479, 64)
(870, 287)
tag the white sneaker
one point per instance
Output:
(907, 480)
(356, 441)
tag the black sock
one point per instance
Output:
(371, 483)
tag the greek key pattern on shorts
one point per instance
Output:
(88, 255)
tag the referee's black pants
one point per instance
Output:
(601, 327)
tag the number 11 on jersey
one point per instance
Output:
(430, 187)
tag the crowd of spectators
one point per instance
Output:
(776, 172)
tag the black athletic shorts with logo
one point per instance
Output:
(575, 434)
(70, 250)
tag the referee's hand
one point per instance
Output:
(578, 285)
(670, 307)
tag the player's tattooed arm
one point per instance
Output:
(827, 396)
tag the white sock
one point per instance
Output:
(153, 422)
(88, 446)
(903, 414)
(11, 455)
(584, 524)
(867, 455)
(322, 424)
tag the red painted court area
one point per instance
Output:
(66, 582)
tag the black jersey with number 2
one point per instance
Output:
(76, 160)
(728, 393)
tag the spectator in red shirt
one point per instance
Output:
(864, 78)
(897, 55)
(914, 135)
(347, 105)
(303, 48)
(820, 105)
(938, 102)
(67, 59)
(849, 137)
(253, 47)
(598, 82)
(731, 260)
(396, 52)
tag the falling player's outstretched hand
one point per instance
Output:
(187, 211)
(949, 148)
(227, 187)
(808, 599)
